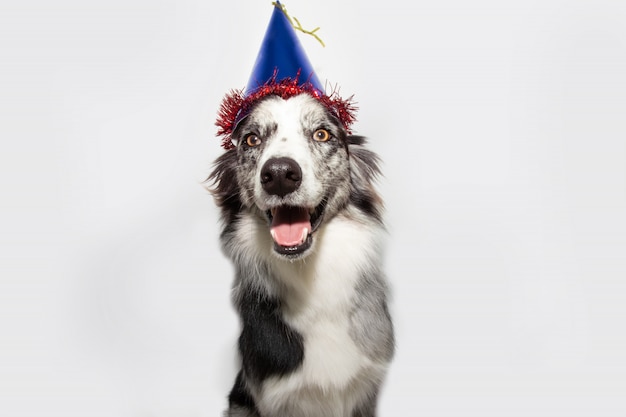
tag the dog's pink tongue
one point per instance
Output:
(289, 225)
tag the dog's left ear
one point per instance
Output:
(364, 169)
(365, 162)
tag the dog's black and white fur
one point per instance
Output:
(316, 335)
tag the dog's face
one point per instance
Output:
(292, 169)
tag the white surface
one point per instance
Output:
(501, 124)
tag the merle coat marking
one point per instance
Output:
(303, 226)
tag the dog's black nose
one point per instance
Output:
(281, 176)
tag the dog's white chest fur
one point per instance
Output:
(321, 299)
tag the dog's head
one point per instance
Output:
(291, 168)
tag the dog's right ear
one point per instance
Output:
(222, 184)
(235, 137)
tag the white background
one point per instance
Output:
(502, 129)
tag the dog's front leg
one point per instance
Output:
(268, 346)
(240, 402)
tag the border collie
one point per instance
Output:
(302, 224)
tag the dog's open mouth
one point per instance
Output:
(292, 227)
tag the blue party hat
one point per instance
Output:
(281, 56)
(281, 69)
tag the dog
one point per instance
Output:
(303, 225)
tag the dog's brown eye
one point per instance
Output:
(253, 140)
(321, 135)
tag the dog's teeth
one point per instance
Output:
(305, 233)
(273, 211)
(273, 233)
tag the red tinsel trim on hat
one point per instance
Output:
(235, 105)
